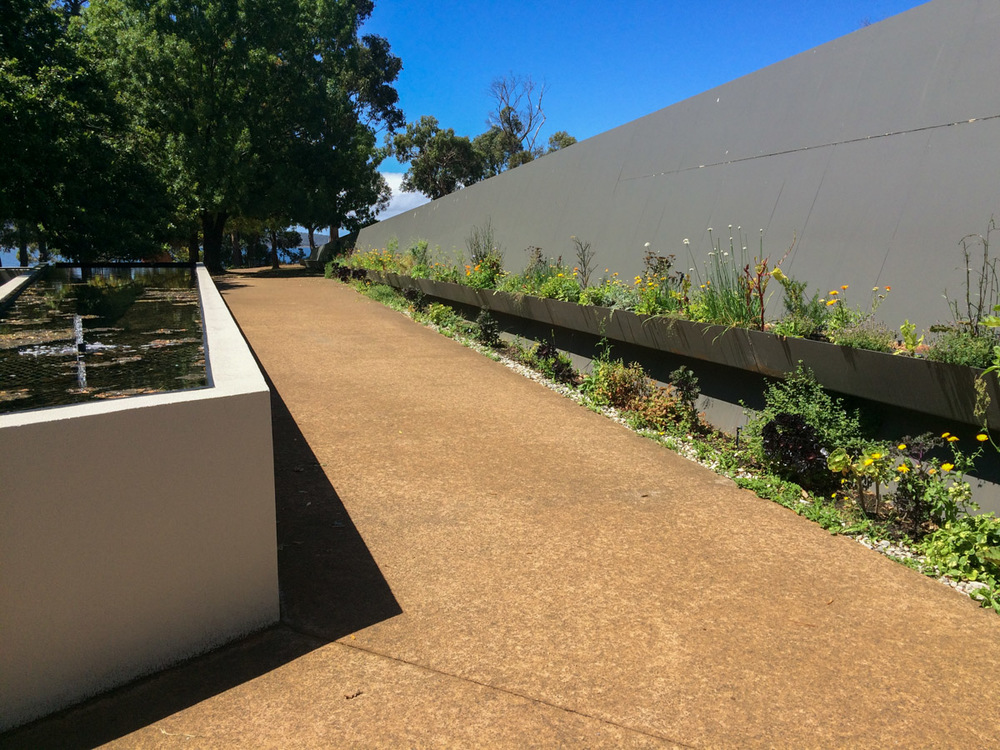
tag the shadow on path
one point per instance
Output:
(329, 584)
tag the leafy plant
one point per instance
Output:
(612, 293)
(908, 332)
(968, 549)
(793, 450)
(611, 382)
(487, 330)
(442, 316)
(870, 467)
(961, 347)
(560, 286)
(929, 489)
(552, 363)
(799, 393)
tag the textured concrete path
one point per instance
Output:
(470, 560)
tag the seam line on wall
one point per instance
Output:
(801, 149)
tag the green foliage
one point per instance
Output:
(800, 394)
(440, 161)
(908, 332)
(611, 293)
(560, 286)
(734, 288)
(969, 549)
(960, 347)
(73, 181)
(441, 315)
(487, 330)
(866, 335)
(929, 489)
(552, 363)
(613, 383)
(258, 110)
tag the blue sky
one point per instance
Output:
(603, 63)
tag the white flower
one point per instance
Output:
(687, 241)
(725, 255)
(646, 245)
(710, 229)
(730, 227)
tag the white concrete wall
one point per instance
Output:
(135, 533)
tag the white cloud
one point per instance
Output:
(400, 201)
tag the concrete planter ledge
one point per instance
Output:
(137, 532)
(932, 388)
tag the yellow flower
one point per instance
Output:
(876, 456)
(947, 467)
(844, 287)
(869, 461)
(952, 439)
(901, 446)
(834, 292)
(982, 438)
(932, 472)
(945, 434)
(902, 468)
(831, 302)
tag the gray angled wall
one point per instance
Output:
(878, 152)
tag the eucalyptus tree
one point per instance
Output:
(237, 97)
(440, 161)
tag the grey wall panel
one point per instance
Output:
(861, 149)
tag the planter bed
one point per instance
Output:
(932, 388)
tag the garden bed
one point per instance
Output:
(936, 389)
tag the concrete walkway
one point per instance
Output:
(470, 560)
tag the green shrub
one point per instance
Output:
(968, 549)
(487, 330)
(610, 293)
(867, 335)
(960, 347)
(552, 363)
(613, 383)
(800, 394)
(560, 286)
(442, 315)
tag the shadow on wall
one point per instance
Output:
(330, 586)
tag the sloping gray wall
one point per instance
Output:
(876, 152)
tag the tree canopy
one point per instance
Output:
(156, 120)
(71, 178)
(442, 162)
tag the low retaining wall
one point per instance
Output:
(136, 532)
(933, 388)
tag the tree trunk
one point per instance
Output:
(274, 248)
(312, 242)
(237, 259)
(212, 228)
(22, 247)
(193, 247)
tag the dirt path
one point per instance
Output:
(468, 559)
